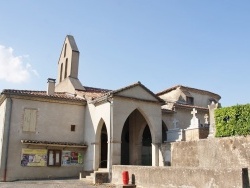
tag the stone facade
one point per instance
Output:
(48, 128)
(92, 127)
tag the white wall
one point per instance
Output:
(95, 115)
(54, 122)
(2, 118)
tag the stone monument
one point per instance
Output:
(175, 134)
(194, 123)
(211, 108)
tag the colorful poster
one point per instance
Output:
(71, 158)
(66, 156)
(80, 158)
(34, 157)
(74, 157)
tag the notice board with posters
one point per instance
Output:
(34, 157)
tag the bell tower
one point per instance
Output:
(68, 63)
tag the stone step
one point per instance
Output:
(92, 175)
(90, 178)
(102, 170)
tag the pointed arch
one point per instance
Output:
(99, 129)
(134, 132)
(144, 115)
(101, 145)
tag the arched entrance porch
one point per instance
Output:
(136, 146)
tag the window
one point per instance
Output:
(190, 100)
(65, 49)
(66, 68)
(29, 120)
(73, 128)
(61, 72)
(54, 157)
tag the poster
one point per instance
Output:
(34, 157)
(74, 157)
(80, 158)
(66, 155)
(71, 158)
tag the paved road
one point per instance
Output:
(69, 183)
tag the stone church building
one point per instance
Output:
(71, 128)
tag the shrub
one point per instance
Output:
(232, 121)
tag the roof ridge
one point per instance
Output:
(186, 87)
(43, 94)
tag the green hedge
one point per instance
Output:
(232, 121)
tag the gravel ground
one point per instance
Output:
(72, 183)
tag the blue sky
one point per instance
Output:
(162, 43)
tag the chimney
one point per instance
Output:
(51, 86)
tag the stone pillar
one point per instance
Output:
(139, 153)
(116, 152)
(96, 159)
(211, 108)
(109, 161)
(155, 154)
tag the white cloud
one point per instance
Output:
(12, 68)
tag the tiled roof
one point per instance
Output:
(57, 95)
(92, 92)
(189, 106)
(133, 85)
(189, 89)
(66, 144)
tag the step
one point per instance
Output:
(90, 178)
(102, 170)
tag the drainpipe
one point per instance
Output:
(7, 138)
(110, 139)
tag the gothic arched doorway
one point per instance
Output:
(136, 141)
(104, 147)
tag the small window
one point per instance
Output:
(190, 100)
(54, 157)
(61, 70)
(65, 49)
(66, 68)
(73, 128)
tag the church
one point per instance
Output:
(71, 128)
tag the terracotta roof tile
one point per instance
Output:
(133, 85)
(189, 106)
(188, 89)
(57, 95)
(91, 92)
(53, 143)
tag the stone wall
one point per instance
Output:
(217, 153)
(196, 134)
(230, 152)
(208, 163)
(165, 157)
(155, 177)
